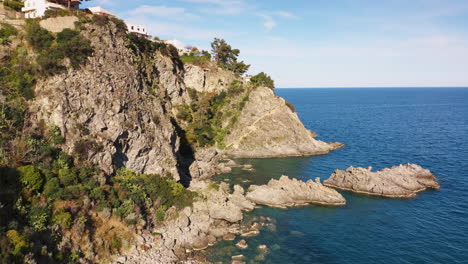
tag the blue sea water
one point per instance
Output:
(381, 127)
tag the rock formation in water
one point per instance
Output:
(287, 192)
(402, 181)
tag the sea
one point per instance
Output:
(380, 127)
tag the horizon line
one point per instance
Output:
(369, 87)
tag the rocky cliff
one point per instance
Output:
(267, 127)
(130, 103)
(107, 111)
(120, 106)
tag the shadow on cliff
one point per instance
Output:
(119, 158)
(185, 156)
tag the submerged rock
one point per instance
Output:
(402, 181)
(242, 244)
(287, 192)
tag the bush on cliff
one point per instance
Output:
(7, 31)
(262, 79)
(31, 177)
(72, 45)
(14, 4)
(40, 39)
(226, 57)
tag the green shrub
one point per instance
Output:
(125, 208)
(52, 189)
(73, 46)
(14, 4)
(39, 218)
(57, 13)
(184, 112)
(116, 245)
(120, 24)
(291, 106)
(40, 39)
(235, 88)
(262, 79)
(64, 161)
(19, 242)
(7, 30)
(160, 214)
(67, 177)
(31, 177)
(63, 219)
(50, 61)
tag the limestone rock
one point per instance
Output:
(402, 181)
(105, 108)
(207, 80)
(267, 127)
(287, 192)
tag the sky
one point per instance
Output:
(321, 43)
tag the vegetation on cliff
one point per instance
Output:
(14, 4)
(210, 116)
(55, 207)
(226, 57)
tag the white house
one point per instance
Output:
(137, 29)
(97, 10)
(37, 8)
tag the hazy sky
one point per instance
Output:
(322, 43)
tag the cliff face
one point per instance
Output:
(267, 127)
(106, 111)
(118, 111)
(208, 80)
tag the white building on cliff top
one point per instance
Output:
(37, 8)
(97, 10)
(138, 29)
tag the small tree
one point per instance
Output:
(226, 57)
(262, 79)
(31, 177)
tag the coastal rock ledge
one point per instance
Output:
(402, 181)
(287, 192)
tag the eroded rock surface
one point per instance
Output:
(402, 181)
(207, 80)
(106, 112)
(287, 192)
(267, 127)
(215, 216)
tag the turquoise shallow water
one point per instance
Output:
(380, 127)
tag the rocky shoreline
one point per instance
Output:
(402, 181)
(216, 215)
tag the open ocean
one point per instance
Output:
(381, 127)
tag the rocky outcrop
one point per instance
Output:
(207, 163)
(215, 216)
(287, 192)
(402, 181)
(208, 79)
(105, 109)
(267, 127)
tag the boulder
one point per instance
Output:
(242, 244)
(402, 181)
(287, 192)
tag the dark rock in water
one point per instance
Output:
(402, 181)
